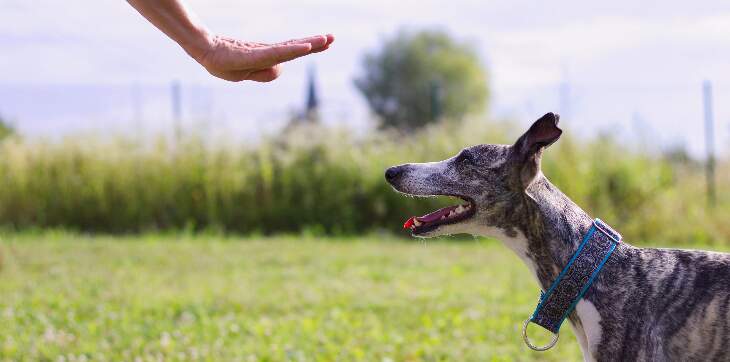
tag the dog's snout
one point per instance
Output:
(393, 173)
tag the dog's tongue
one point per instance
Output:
(436, 215)
(409, 223)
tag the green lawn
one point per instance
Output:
(282, 299)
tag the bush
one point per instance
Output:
(320, 181)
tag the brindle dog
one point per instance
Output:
(646, 304)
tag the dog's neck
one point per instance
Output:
(545, 230)
(542, 226)
(553, 227)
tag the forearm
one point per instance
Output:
(173, 19)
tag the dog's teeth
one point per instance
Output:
(460, 209)
(416, 222)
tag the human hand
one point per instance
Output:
(236, 60)
(225, 58)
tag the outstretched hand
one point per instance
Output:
(236, 60)
(225, 58)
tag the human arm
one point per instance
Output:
(223, 57)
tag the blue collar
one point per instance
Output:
(572, 283)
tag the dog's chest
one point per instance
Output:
(590, 335)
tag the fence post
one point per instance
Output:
(176, 108)
(709, 144)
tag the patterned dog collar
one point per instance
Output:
(573, 281)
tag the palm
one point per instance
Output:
(236, 60)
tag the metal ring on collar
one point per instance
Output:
(532, 346)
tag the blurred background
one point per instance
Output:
(633, 69)
(126, 170)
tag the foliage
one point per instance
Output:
(418, 78)
(75, 298)
(320, 181)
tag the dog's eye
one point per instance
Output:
(464, 158)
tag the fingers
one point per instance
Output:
(318, 42)
(320, 49)
(269, 56)
(330, 39)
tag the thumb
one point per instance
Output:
(265, 75)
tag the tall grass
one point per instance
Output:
(321, 181)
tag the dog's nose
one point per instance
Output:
(393, 172)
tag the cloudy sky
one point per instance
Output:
(632, 68)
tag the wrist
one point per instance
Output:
(198, 43)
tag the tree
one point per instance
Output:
(420, 77)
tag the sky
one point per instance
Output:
(632, 69)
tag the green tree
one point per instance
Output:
(420, 77)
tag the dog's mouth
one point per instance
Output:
(445, 216)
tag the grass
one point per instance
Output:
(74, 298)
(294, 183)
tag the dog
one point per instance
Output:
(645, 304)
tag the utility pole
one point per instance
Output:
(564, 99)
(137, 109)
(176, 109)
(709, 143)
(564, 95)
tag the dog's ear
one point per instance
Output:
(528, 148)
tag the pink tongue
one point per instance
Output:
(436, 215)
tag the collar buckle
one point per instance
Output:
(607, 230)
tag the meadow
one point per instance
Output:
(174, 282)
(78, 298)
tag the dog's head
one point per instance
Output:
(491, 179)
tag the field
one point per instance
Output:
(75, 298)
